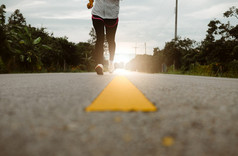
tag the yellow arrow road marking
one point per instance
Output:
(121, 95)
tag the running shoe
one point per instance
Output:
(99, 69)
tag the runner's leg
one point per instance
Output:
(99, 28)
(110, 34)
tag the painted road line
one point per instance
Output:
(121, 95)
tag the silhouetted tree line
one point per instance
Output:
(24, 48)
(216, 55)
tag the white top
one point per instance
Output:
(106, 9)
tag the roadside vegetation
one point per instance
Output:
(216, 55)
(24, 48)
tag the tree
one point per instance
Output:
(172, 53)
(29, 50)
(232, 12)
(221, 39)
(2, 27)
(2, 15)
(17, 18)
(26, 47)
(158, 60)
(85, 52)
(4, 45)
(93, 36)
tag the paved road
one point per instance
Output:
(43, 114)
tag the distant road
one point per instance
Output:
(43, 114)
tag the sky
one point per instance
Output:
(144, 24)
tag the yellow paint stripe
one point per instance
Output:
(121, 95)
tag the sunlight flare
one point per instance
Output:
(122, 72)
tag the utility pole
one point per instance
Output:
(135, 49)
(176, 20)
(145, 47)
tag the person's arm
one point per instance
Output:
(90, 4)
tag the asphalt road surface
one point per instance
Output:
(43, 115)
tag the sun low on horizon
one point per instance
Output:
(123, 55)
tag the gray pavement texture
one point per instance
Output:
(43, 115)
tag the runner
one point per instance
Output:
(104, 18)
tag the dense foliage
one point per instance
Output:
(24, 48)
